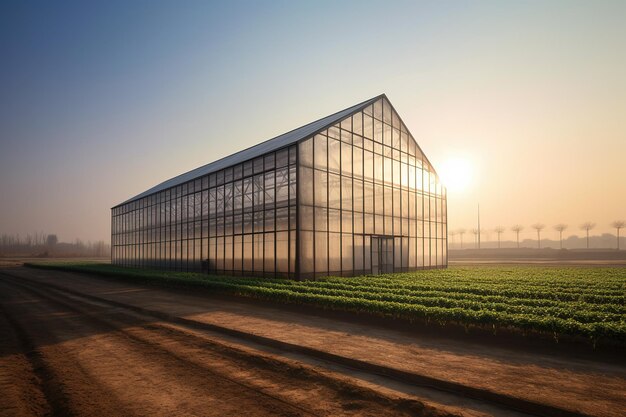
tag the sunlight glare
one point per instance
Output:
(456, 174)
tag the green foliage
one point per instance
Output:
(572, 301)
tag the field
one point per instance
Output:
(136, 343)
(581, 303)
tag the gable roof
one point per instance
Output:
(262, 148)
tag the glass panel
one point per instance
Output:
(306, 248)
(378, 109)
(357, 158)
(357, 192)
(359, 221)
(269, 252)
(306, 217)
(258, 165)
(368, 165)
(320, 187)
(269, 161)
(247, 252)
(357, 123)
(282, 218)
(334, 191)
(219, 262)
(333, 132)
(346, 136)
(346, 159)
(367, 253)
(306, 152)
(334, 253)
(378, 132)
(358, 253)
(334, 220)
(282, 252)
(321, 252)
(378, 168)
(292, 252)
(321, 218)
(269, 220)
(237, 253)
(306, 188)
(346, 222)
(346, 193)
(321, 152)
(257, 250)
(228, 253)
(368, 127)
(334, 155)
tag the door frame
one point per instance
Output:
(389, 255)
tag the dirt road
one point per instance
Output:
(72, 344)
(65, 356)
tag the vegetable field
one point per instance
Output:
(557, 301)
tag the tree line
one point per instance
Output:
(41, 244)
(538, 228)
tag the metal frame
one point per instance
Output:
(152, 230)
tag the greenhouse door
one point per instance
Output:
(382, 255)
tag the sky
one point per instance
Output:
(101, 101)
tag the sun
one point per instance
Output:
(456, 174)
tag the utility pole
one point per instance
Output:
(478, 225)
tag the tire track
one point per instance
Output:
(56, 372)
(489, 398)
(21, 375)
(158, 345)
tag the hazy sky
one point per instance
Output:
(99, 102)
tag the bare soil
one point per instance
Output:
(61, 354)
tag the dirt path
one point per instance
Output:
(62, 356)
(574, 386)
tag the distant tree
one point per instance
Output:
(618, 224)
(560, 228)
(587, 226)
(453, 233)
(99, 248)
(475, 232)
(461, 233)
(40, 237)
(499, 230)
(52, 240)
(517, 228)
(538, 227)
(486, 233)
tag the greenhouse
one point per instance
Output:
(349, 194)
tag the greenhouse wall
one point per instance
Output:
(369, 200)
(239, 220)
(349, 194)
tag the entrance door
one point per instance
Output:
(382, 255)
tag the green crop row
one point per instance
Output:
(579, 307)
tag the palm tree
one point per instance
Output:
(560, 228)
(517, 228)
(538, 227)
(475, 232)
(587, 226)
(452, 234)
(618, 224)
(499, 230)
(461, 233)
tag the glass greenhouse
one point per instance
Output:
(348, 194)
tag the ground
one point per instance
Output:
(82, 345)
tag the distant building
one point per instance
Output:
(349, 194)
